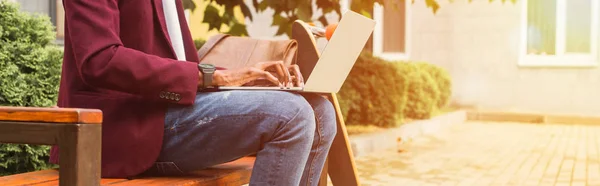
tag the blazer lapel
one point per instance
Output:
(160, 15)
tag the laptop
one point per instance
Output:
(337, 59)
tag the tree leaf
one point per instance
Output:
(255, 5)
(189, 5)
(238, 29)
(246, 11)
(283, 26)
(262, 6)
(433, 5)
(323, 20)
(277, 20)
(304, 13)
(366, 13)
(212, 17)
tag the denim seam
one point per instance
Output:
(281, 151)
(277, 167)
(312, 161)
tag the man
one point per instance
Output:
(135, 60)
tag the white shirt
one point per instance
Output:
(174, 29)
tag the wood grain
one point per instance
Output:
(102, 182)
(51, 115)
(308, 55)
(30, 133)
(80, 153)
(30, 178)
(234, 173)
(342, 168)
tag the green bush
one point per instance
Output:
(422, 92)
(442, 79)
(30, 70)
(372, 93)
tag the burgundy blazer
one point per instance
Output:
(118, 59)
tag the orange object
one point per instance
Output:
(329, 30)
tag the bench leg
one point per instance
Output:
(80, 155)
(341, 166)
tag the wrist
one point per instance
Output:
(206, 76)
(218, 78)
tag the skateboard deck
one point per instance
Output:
(340, 163)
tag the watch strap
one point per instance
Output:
(207, 80)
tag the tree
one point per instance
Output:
(30, 68)
(286, 11)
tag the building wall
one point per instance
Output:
(478, 43)
(42, 7)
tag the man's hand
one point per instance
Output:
(274, 72)
(299, 79)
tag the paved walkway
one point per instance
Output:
(488, 153)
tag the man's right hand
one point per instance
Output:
(275, 72)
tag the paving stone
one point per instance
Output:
(491, 153)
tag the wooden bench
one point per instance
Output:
(78, 134)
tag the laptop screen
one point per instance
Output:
(340, 54)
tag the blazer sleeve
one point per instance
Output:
(102, 60)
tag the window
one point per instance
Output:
(57, 15)
(560, 33)
(391, 35)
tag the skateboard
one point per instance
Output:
(340, 163)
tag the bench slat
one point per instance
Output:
(30, 178)
(234, 173)
(237, 177)
(102, 182)
(51, 115)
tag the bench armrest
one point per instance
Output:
(51, 115)
(77, 132)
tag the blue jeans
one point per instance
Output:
(290, 133)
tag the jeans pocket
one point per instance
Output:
(168, 169)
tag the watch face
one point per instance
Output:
(206, 66)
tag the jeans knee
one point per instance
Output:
(305, 119)
(326, 117)
(302, 117)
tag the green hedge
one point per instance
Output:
(422, 91)
(29, 76)
(442, 79)
(383, 93)
(372, 93)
